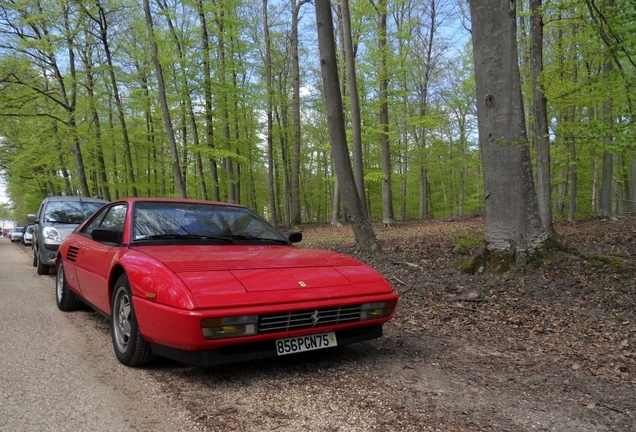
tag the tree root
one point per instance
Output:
(613, 260)
(497, 262)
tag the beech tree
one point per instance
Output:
(514, 232)
(540, 117)
(366, 240)
(164, 103)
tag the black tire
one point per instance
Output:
(42, 269)
(130, 346)
(64, 297)
(35, 259)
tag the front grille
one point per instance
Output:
(308, 318)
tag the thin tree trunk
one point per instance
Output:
(207, 92)
(102, 22)
(352, 80)
(99, 154)
(387, 195)
(270, 104)
(187, 99)
(605, 208)
(366, 240)
(335, 204)
(176, 168)
(540, 111)
(295, 218)
(632, 197)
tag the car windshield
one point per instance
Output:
(69, 212)
(174, 220)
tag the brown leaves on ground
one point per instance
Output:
(565, 324)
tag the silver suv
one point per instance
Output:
(57, 217)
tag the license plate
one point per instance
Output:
(306, 343)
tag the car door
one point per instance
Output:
(94, 259)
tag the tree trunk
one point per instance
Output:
(513, 227)
(387, 195)
(71, 108)
(335, 207)
(176, 168)
(99, 154)
(366, 240)
(540, 111)
(605, 207)
(270, 104)
(207, 91)
(352, 80)
(102, 22)
(187, 99)
(223, 101)
(295, 215)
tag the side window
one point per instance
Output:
(115, 218)
(40, 213)
(109, 218)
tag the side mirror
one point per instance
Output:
(294, 236)
(106, 236)
(31, 218)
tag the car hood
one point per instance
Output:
(239, 269)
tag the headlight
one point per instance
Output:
(217, 328)
(376, 310)
(51, 234)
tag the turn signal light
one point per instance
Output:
(376, 310)
(217, 328)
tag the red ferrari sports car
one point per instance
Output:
(208, 283)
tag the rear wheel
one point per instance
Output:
(131, 348)
(64, 297)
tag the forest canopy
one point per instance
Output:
(210, 100)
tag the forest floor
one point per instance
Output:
(551, 346)
(548, 347)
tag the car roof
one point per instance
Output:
(177, 200)
(74, 198)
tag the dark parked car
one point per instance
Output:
(57, 217)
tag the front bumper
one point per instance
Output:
(256, 350)
(177, 334)
(47, 252)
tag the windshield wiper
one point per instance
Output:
(60, 222)
(259, 239)
(188, 237)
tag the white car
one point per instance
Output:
(27, 238)
(16, 234)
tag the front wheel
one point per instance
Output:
(131, 348)
(64, 297)
(42, 269)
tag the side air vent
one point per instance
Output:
(72, 253)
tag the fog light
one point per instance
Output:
(376, 310)
(217, 328)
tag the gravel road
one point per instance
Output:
(50, 379)
(524, 358)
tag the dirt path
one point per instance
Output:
(57, 374)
